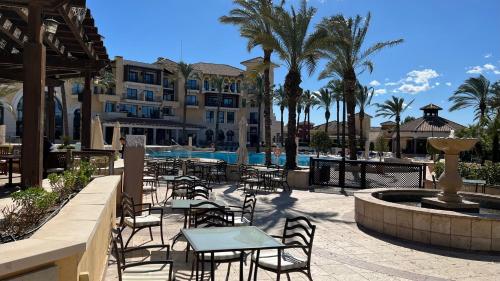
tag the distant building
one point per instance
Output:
(302, 130)
(332, 128)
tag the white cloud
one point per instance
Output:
(497, 72)
(391, 83)
(448, 84)
(417, 81)
(405, 104)
(413, 89)
(437, 83)
(374, 83)
(475, 70)
(421, 76)
(488, 55)
(380, 92)
(488, 67)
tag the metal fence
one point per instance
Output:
(365, 174)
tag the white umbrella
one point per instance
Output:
(242, 149)
(97, 139)
(115, 144)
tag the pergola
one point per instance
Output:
(41, 43)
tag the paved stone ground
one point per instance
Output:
(342, 251)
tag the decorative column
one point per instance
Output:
(86, 112)
(134, 166)
(51, 114)
(34, 62)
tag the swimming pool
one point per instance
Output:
(229, 157)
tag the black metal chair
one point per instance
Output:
(253, 179)
(139, 216)
(298, 234)
(199, 191)
(280, 180)
(180, 187)
(246, 211)
(143, 270)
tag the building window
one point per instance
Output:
(209, 116)
(192, 100)
(238, 87)
(131, 94)
(254, 119)
(192, 84)
(212, 101)
(228, 102)
(206, 85)
(76, 88)
(149, 78)
(209, 135)
(230, 136)
(233, 87)
(168, 111)
(167, 83)
(109, 107)
(230, 117)
(130, 109)
(243, 103)
(133, 76)
(221, 116)
(149, 95)
(168, 95)
(149, 112)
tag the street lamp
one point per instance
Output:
(50, 25)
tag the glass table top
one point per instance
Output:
(186, 203)
(217, 239)
(473, 181)
(180, 178)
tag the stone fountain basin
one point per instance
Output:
(473, 232)
(452, 145)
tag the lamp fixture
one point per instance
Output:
(50, 25)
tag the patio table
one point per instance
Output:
(185, 204)
(265, 172)
(221, 239)
(10, 159)
(476, 182)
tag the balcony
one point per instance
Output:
(141, 98)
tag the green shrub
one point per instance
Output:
(320, 141)
(490, 172)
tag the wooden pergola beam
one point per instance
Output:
(77, 30)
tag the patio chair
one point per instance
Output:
(298, 234)
(246, 211)
(242, 174)
(252, 179)
(142, 270)
(150, 185)
(180, 187)
(133, 216)
(280, 180)
(217, 172)
(199, 191)
(214, 217)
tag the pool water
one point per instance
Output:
(230, 157)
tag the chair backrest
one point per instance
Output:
(4, 150)
(248, 207)
(127, 205)
(299, 231)
(210, 214)
(199, 191)
(117, 248)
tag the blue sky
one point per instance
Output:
(446, 41)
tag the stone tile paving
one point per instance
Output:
(342, 251)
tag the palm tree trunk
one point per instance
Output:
(398, 138)
(282, 109)
(338, 122)
(267, 107)
(65, 111)
(349, 90)
(184, 113)
(292, 89)
(257, 147)
(304, 128)
(361, 136)
(216, 142)
(327, 117)
(309, 126)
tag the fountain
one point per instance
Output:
(450, 180)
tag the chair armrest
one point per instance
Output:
(277, 236)
(145, 247)
(134, 264)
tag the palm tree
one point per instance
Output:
(310, 102)
(300, 106)
(325, 101)
(218, 82)
(363, 98)
(297, 48)
(186, 71)
(252, 16)
(474, 92)
(257, 90)
(280, 100)
(337, 92)
(394, 108)
(343, 40)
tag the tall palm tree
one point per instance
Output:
(310, 102)
(218, 82)
(298, 49)
(280, 100)
(393, 109)
(344, 38)
(257, 96)
(494, 105)
(252, 16)
(300, 106)
(364, 96)
(337, 92)
(186, 71)
(325, 100)
(474, 92)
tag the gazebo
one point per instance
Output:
(41, 43)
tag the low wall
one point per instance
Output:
(73, 246)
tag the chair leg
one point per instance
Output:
(278, 276)
(228, 270)
(251, 268)
(161, 232)
(150, 233)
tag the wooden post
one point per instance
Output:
(33, 99)
(134, 166)
(86, 112)
(51, 114)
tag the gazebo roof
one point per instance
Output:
(431, 106)
(75, 47)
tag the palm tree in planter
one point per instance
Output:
(186, 71)
(364, 97)
(337, 92)
(253, 19)
(218, 82)
(298, 49)
(393, 109)
(343, 40)
(325, 100)
(310, 102)
(474, 92)
(280, 100)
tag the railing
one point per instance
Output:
(365, 174)
(66, 159)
